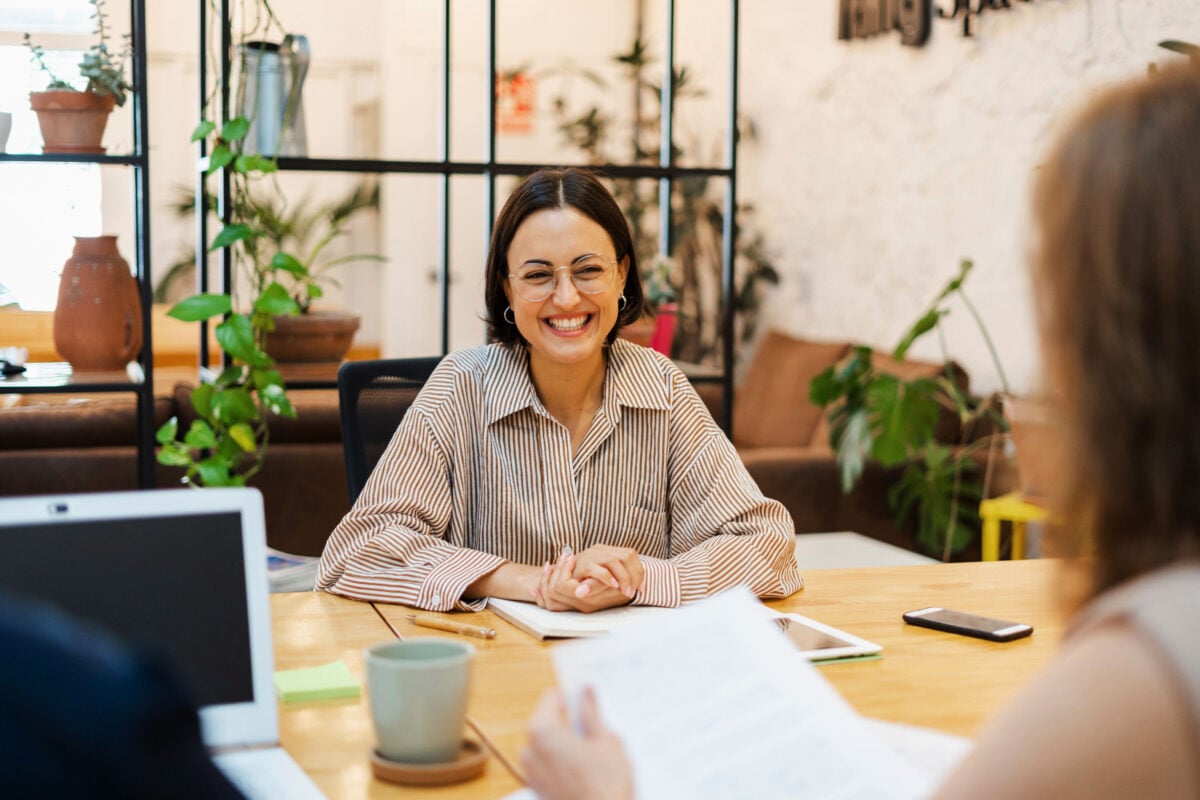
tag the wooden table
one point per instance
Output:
(928, 678)
(331, 739)
(937, 680)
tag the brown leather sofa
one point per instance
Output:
(54, 445)
(784, 439)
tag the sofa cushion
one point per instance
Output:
(106, 420)
(771, 407)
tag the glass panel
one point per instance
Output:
(697, 252)
(702, 53)
(46, 16)
(408, 299)
(56, 203)
(566, 98)
(410, 59)
(468, 82)
(21, 76)
(468, 326)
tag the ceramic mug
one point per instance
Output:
(5, 129)
(418, 694)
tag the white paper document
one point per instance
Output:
(714, 703)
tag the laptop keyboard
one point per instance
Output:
(267, 775)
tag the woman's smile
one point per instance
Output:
(568, 325)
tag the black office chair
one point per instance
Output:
(373, 397)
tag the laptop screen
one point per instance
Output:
(173, 585)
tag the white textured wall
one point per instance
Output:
(879, 166)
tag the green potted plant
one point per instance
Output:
(226, 445)
(281, 274)
(306, 229)
(876, 415)
(72, 120)
(320, 335)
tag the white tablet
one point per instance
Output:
(817, 641)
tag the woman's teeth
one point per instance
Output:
(572, 324)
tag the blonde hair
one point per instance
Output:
(1117, 284)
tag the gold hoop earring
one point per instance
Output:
(507, 311)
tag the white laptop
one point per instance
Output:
(182, 572)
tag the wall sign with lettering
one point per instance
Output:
(862, 19)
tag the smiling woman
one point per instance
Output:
(559, 465)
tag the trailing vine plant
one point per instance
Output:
(226, 445)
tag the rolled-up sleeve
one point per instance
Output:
(391, 547)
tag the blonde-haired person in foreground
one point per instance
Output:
(1117, 284)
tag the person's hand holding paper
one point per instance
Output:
(582, 762)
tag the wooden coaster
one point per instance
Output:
(472, 758)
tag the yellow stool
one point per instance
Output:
(1009, 507)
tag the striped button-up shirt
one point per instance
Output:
(479, 473)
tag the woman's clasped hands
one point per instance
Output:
(599, 577)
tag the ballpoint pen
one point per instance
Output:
(478, 631)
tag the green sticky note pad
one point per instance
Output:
(316, 683)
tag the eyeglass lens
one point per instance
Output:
(590, 276)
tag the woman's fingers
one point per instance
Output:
(616, 567)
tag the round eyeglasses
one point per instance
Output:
(591, 274)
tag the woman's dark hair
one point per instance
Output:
(1117, 280)
(569, 187)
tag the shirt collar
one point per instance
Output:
(636, 377)
(633, 378)
(509, 387)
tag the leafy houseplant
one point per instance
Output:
(227, 444)
(875, 415)
(73, 120)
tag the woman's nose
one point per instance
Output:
(566, 294)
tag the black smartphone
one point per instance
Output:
(941, 619)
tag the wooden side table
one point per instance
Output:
(1016, 510)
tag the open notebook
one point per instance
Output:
(182, 572)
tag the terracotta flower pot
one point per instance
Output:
(98, 319)
(71, 122)
(318, 336)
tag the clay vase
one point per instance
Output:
(98, 320)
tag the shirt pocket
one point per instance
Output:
(643, 530)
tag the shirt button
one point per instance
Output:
(567, 551)
(436, 599)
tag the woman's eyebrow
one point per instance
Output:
(545, 263)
